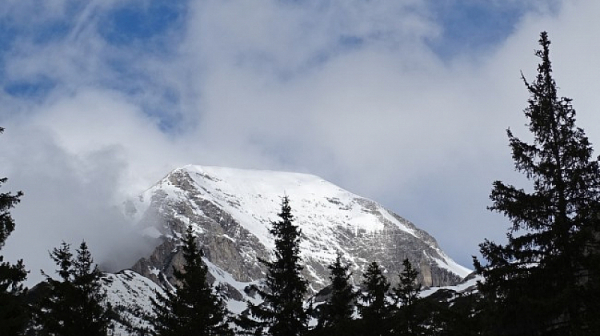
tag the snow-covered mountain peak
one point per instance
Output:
(254, 196)
(231, 210)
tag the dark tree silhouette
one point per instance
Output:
(282, 312)
(544, 281)
(335, 315)
(375, 309)
(193, 309)
(75, 304)
(13, 311)
(406, 293)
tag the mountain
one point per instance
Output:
(231, 212)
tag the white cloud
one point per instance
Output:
(67, 197)
(93, 121)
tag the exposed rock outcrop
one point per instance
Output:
(231, 211)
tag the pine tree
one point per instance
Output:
(164, 320)
(282, 312)
(544, 281)
(462, 316)
(408, 289)
(87, 280)
(54, 315)
(375, 309)
(335, 318)
(74, 304)
(407, 294)
(13, 311)
(193, 309)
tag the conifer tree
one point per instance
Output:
(462, 317)
(13, 311)
(407, 293)
(544, 281)
(335, 318)
(282, 312)
(193, 309)
(375, 309)
(87, 280)
(74, 304)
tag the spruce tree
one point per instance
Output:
(193, 309)
(13, 311)
(406, 293)
(335, 316)
(281, 313)
(544, 281)
(375, 309)
(74, 304)
(54, 315)
(92, 298)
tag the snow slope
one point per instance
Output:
(332, 220)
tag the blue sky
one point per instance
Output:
(155, 29)
(469, 26)
(405, 102)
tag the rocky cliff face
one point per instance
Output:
(231, 211)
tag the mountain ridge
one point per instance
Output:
(231, 210)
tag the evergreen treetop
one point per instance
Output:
(408, 289)
(282, 312)
(193, 309)
(336, 314)
(539, 281)
(406, 321)
(13, 312)
(375, 309)
(75, 304)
